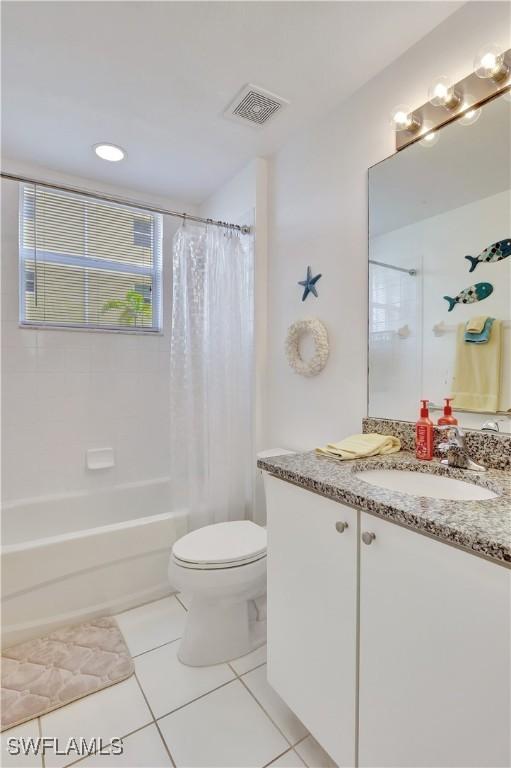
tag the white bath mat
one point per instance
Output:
(46, 673)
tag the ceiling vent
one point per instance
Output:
(254, 106)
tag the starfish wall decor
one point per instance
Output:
(309, 284)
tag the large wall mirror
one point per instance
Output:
(439, 322)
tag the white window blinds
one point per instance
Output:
(88, 263)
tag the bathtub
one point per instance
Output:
(71, 557)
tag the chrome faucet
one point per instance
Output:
(454, 447)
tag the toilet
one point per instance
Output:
(221, 568)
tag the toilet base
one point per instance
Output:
(230, 627)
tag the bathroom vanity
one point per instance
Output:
(389, 614)
(389, 595)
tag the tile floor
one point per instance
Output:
(168, 714)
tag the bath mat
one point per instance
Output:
(44, 674)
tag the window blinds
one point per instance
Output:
(88, 263)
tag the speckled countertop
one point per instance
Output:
(481, 527)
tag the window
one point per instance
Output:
(88, 263)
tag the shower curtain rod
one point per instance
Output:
(391, 266)
(243, 228)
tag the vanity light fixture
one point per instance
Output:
(489, 64)
(443, 94)
(461, 101)
(110, 152)
(403, 119)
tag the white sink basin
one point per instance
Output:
(425, 484)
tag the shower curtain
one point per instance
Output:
(211, 381)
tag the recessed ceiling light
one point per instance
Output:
(109, 152)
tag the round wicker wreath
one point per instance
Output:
(320, 337)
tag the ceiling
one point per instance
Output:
(155, 78)
(468, 163)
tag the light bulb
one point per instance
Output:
(442, 94)
(470, 115)
(489, 63)
(440, 91)
(429, 136)
(403, 120)
(110, 152)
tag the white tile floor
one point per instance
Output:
(168, 714)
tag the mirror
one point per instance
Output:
(434, 208)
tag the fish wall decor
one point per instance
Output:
(496, 252)
(473, 293)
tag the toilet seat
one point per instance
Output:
(222, 545)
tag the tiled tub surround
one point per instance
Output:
(481, 527)
(487, 448)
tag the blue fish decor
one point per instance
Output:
(309, 284)
(496, 252)
(469, 295)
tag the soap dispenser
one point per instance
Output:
(447, 418)
(424, 434)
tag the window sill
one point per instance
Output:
(80, 329)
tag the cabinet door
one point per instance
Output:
(312, 598)
(434, 653)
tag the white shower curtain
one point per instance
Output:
(212, 453)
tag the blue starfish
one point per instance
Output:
(309, 284)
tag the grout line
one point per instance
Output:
(156, 647)
(125, 736)
(240, 674)
(165, 744)
(278, 757)
(182, 706)
(299, 755)
(302, 738)
(266, 713)
(154, 721)
(130, 733)
(141, 605)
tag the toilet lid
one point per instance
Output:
(234, 542)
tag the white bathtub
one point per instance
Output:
(72, 557)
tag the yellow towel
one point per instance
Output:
(361, 446)
(477, 372)
(476, 324)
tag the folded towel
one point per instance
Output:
(476, 324)
(361, 446)
(479, 337)
(477, 372)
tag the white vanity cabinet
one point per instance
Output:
(434, 653)
(312, 606)
(394, 652)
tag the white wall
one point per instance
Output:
(318, 216)
(66, 391)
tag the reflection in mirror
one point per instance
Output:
(440, 274)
